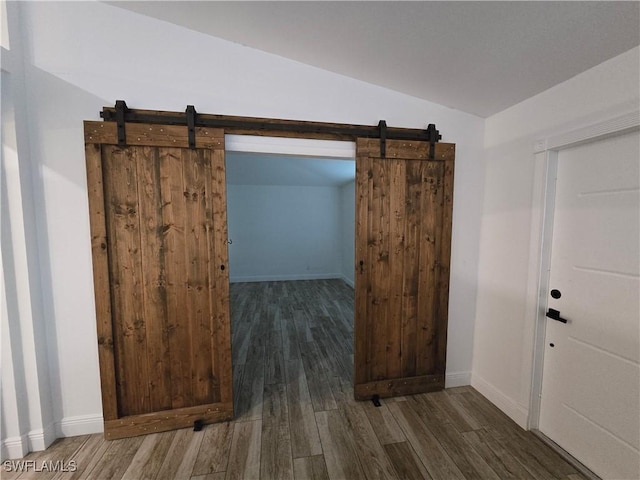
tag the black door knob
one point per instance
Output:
(556, 293)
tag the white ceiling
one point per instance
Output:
(244, 168)
(478, 57)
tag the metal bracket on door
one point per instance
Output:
(121, 109)
(434, 136)
(191, 125)
(382, 125)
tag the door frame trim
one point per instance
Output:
(546, 152)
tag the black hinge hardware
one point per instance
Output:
(376, 400)
(121, 109)
(433, 137)
(382, 126)
(191, 125)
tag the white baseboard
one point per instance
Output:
(510, 407)
(80, 425)
(457, 379)
(14, 447)
(281, 278)
(348, 281)
(41, 438)
(34, 441)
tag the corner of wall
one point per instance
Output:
(79, 425)
(348, 281)
(457, 379)
(14, 447)
(510, 407)
(41, 438)
(509, 255)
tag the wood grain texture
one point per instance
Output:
(141, 134)
(150, 456)
(386, 428)
(158, 219)
(413, 218)
(167, 420)
(276, 460)
(404, 149)
(310, 468)
(426, 446)
(378, 259)
(429, 244)
(181, 456)
(374, 462)
(317, 373)
(403, 236)
(125, 268)
(305, 441)
(85, 469)
(101, 280)
(59, 451)
(444, 262)
(362, 278)
(215, 184)
(405, 461)
(338, 447)
(209, 476)
(446, 434)
(244, 460)
(153, 279)
(198, 326)
(116, 459)
(214, 450)
(396, 249)
(498, 458)
(86, 456)
(400, 386)
(173, 227)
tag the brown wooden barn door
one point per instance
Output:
(159, 244)
(403, 237)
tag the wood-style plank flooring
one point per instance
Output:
(296, 417)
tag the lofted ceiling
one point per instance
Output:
(477, 57)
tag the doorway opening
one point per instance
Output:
(291, 228)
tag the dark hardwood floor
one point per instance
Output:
(296, 417)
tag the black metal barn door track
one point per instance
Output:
(122, 114)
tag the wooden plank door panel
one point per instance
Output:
(403, 236)
(159, 233)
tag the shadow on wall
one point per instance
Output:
(13, 328)
(56, 131)
(56, 148)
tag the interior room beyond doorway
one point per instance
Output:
(291, 223)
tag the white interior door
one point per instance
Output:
(590, 401)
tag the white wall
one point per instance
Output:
(509, 244)
(348, 232)
(26, 397)
(80, 56)
(282, 232)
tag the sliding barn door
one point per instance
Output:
(159, 245)
(403, 237)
